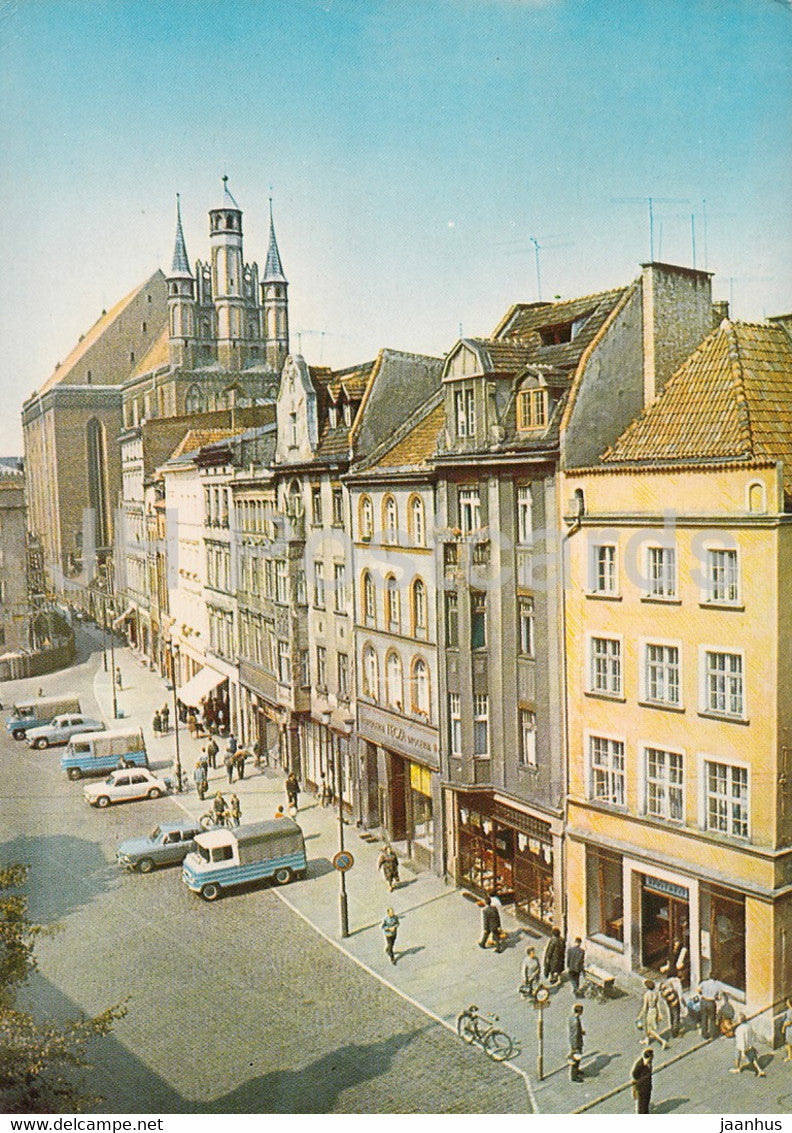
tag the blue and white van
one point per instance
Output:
(42, 710)
(96, 753)
(224, 858)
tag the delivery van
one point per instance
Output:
(224, 858)
(43, 710)
(96, 753)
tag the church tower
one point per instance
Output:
(181, 301)
(275, 302)
(225, 237)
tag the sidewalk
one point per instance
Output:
(440, 968)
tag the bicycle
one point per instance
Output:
(473, 1027)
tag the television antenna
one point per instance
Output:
(651, 202)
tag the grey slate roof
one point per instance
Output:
(273, 269)
(181, 262)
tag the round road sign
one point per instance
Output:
(343, 861)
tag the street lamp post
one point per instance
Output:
(177, 768)
(343, 906)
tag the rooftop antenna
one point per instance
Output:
(536, 245)
(693, 237)
(550, 243)
(651, 201)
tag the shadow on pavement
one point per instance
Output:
(318, 1086)
(48, 859)
(593, 1068)
(318, 867)
(668, 1105)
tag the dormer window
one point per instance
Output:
(464, 413)
(333, 417)
(552, 336)
(347, 414)
(532, 409)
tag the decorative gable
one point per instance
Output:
(297, 414)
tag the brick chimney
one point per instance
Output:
(677, 316)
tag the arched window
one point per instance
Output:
(756, 498)
(369, 598)
(417, 524)
(294, 502)
(392, 604)
(390, 520)
(193, 401)
(393, 680)
(419, 687)
(366, 518)
(370, 673)
(418, 608)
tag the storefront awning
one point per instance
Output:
(199, 686)
(128, 612)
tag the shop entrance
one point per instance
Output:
(665, 924)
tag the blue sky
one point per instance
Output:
(413, 147)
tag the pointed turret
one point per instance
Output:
(225, 234)
(276, 308)
(181, 299)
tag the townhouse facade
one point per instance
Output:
(677, 645)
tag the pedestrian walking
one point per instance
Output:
(292, 790)
(745, 1049)
(709, 990)
(219, 810)
(165, 717)
(325, 794)
(649, 1015)
(156, 723)
(388, 865)
(531, 973)
(260, 754)
(235, 810)
(119, 683)
(232, 744)
(576, 1033)
(490, 925)
(230, 763)
(786, 1024)
(390, 927)
(642, 1081)
(211, 750)
(201, 779)
(553, 960)
(192, 724)
(670, 988)
(240, 756)
(576, 964)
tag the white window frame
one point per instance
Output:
(704, 683)
(455, 723)
(418, 517)
(390, 534)
(481, 716)
(321, 666)
(526, 614)
(524, 515)
(645, 643)
(526, 722)
(319, 585)
(366, 519)
(284, 656)
(650, 592)
(590, 684)
(593, 580)
(370, 666)
(394, 701)
(610, 771)
(339, 583)
(704, 760)
(465, 412)
(645, 747)
(708, 593)
(469, 502)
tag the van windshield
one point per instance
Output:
(202, 850)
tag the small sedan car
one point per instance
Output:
(122, 785)
(167, 844)
(61, 729)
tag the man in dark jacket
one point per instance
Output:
(490, 923)
(642, 1081)
(554, 957)
(576, 963)
(576, 1033)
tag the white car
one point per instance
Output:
(61, 730)
(129, 783)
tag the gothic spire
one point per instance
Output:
(181, 262)
(273, 270)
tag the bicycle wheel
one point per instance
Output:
(466, 1027)
(498, 1046)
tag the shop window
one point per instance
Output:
(604, 895)
(723, 915)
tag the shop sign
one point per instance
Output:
(667, 888)
(405, 737)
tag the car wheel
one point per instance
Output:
(210, 892)
(154, 793)
(18, 734)
(145, 865)
(41, 744)
(74, 772)
(103, 801)
(283, 876)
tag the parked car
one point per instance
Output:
(261, 850)
(126, 783)
(61, 730)
(42, 710)
(168, 843)
(95, 753)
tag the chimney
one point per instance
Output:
(784, 321)
(720, 311)
(677, 316)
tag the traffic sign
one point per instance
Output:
(343, 861)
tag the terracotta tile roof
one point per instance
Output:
(505, 356)
(61, 372)
(731, 398)
(158, 355)
(417, 448)
(524, 318)
(194, 439)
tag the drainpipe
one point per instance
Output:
(574, 525)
